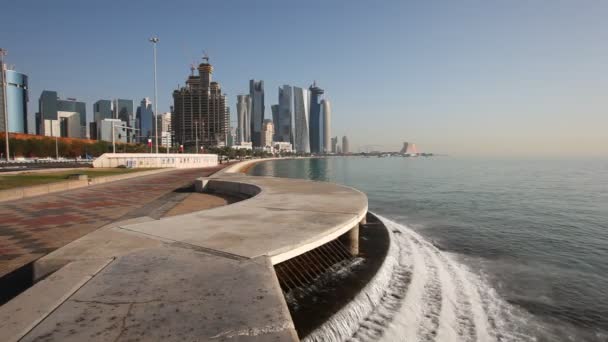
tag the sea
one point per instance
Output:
(491, 249)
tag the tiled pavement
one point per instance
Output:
(33, 227)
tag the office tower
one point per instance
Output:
(199, 112)
(60, 118)
(123, 110)
(316, 123)
(334, 145)
(285, 127)
(267, 133)
(256, 91)
(243, 109)
(326, 115)
(145, 121)
(16, 93)
(301, 102)
(102, 110)
(275, 120)
(164, 129)
(345, 145)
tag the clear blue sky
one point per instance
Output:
(458, 77)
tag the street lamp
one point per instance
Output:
(3, 53)
(154, 41)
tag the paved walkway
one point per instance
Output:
(33, 227)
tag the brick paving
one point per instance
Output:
(33, 227)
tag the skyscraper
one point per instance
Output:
(345, 146)
(334, 145)
(267, 133)
(275, 120)
(316, 122)
(285, 128)
(326, 115)
(301, 115)
(102, 109)
(60, 118)
(164, 129)
(145, 120)
(16, 100)
(199, 111)
(256, 91)
(243, 110)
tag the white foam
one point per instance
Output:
(422, 294)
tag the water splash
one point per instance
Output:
(423, 294)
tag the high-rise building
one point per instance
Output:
(301, 103)
(164, 129)
(316, 122)
(275, 120)
(199, 111)
(326, 115)
(243, 109)
(16, 93)
(256, 91)
(107, 127)
(102, 109)
(60, 118)
(334, 145)
(267, 133)
(145, 121)
(285, 127)
(345, 145)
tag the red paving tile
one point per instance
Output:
(33, 227)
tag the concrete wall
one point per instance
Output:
(150, 160)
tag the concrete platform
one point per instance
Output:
(197, 277)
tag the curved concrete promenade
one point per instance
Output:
(202, 276)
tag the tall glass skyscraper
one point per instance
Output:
(16, 101)
(243, 109)
(102, 109)
(285, 128)
(256, 91)
(301, 104)
(326, 115)
(316, 122)
(145, 120)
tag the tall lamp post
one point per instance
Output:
(5, 104)
(154, 41)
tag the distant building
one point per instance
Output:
(123, 110)
(245, 145)
(326, 115)
(267, 133)
(60, 118)
(256, 91)
(120, 131)
(282, 147)
(316, 123)
(16, 100)
(144, 119)
(243, 112)
(345, 145)
(164, 129)
(275, 120)
(334, 145)
(301, 115)
(285, 127)
(199, 111)
(93, 131)
(102, 109)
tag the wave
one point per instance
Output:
(423, 294)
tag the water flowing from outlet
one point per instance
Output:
(421, 293)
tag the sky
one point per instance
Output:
(470, 78)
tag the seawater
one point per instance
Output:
(482, 250)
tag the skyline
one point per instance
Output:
(463, 79)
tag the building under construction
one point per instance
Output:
(200, 116)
